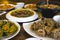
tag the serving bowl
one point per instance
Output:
(46, 12)
(22, 19)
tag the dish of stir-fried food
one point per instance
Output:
(22, 13)
(46, 27)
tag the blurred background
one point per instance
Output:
(26, 1)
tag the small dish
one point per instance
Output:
(19, 5)
(56, 18)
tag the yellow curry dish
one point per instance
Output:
(7, 28)
(22, 13)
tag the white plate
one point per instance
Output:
(8, 8)
(35, 39)
(26, 27)
(25, 19)
(19, 27)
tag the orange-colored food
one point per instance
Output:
(6, 7)
(31, 6)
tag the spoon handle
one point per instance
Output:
(47, 2)
(3, 13)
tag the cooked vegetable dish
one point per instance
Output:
(22, 13)
(50, 6)
(7, 28)
(30, 6)
(6, 7)
(46, 28)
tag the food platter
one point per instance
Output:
(36, 29)
(26, 27)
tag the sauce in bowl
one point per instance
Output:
(22, 13)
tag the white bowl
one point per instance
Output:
(25, 19)
(20, 5)
(56, 18)
(19, 27)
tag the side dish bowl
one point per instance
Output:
(25, 15)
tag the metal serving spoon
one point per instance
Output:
(2, 12)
